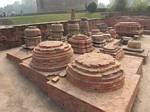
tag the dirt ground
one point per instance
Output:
(17, 94)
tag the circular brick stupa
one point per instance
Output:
(113, 50)
(57, 32)
(98, 40)
(134, 46)
(32, 37)
(51, 56)
(81, 44)
(84, 26)
(96, 71)
(73, 28)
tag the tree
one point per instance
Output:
(91, 7)
(139, 5)
(119, 5)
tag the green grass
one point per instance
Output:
(50, 17)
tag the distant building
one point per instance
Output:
(61, 5)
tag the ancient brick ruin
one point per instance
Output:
(134, 46)
(96, 71)
(84, 27)
(128, 28)
(81, 44)
(57, 31)
(102, 27)
(51, 56)
(113, 50)
(32, 37)
(72, 70)
(73, 28)
(98, 40)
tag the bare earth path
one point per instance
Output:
(17, 94)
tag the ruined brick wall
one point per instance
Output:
(143, 20)
(13, 36)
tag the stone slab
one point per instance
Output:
(144, 55)
(73, 99)
(132, 64)
(19, 54)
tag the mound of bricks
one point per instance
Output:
(57, 32)
(129, 28)
(81, 44)
(84, 26)
(113, 50)
(32, 37)
(96, 71)
(51, 56)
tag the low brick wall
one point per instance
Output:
(13, 36)
(143, 20)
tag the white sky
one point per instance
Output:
(104, 1)
(6, 2)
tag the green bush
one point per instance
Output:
(91, 7)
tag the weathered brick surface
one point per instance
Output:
(73, 99)
(36, 77)
(129, 28)
(143, 20)
(132, 64)
(81, 44)
(18, 55)
(96, 71)
(144, 55)
(51, 56)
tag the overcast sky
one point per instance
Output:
(6, 2)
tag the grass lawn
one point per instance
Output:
(49, 17)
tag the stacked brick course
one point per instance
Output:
(84, 26)
(57, 32)
(128, 28)
(96, 71)
(32, 37)
(81, 44)
(113, 50)
(51, 56)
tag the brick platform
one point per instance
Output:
(39, 78)
(132, 64)
(144, 55)
(73, 99)
(19, 54)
